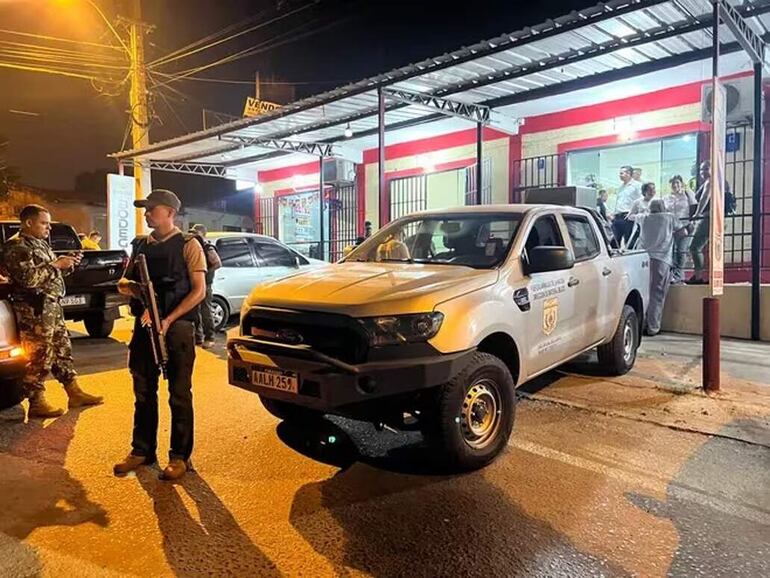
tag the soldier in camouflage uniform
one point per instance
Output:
(37, 285)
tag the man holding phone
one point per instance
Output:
(37, 275)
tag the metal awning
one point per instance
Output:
(612, 41)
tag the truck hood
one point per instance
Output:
(368, 289)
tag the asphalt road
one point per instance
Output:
(577, 493)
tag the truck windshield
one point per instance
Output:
(480, 241)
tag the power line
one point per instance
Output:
(289, 36)
(30, 68)
(167, 59)
(251, 82)
(57, 39)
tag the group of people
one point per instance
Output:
(666, 228)
(180, 266)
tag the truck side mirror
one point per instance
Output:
(546, 258)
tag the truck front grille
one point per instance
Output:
(337, 336)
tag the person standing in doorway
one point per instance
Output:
(177, 268)
(204, 326)
(681, 202)
(37, 286)
(629, 192)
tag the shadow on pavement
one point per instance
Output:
(37, 490)
(719, 503)
(386, 521)
(97, 355)
(206, 542)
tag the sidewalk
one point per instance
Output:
(664, 388)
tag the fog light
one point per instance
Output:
(16, 352)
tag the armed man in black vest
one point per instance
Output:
(177, 269)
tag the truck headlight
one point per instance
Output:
(395, 329)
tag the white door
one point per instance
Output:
(551, 321)
(587, 278)
(239, 272)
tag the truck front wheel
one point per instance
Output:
(471, 417)
(98, 326)
(619, 355)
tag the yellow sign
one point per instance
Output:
(550, 315)
(256, 107)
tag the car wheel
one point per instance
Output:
(220, 313)
(99, 327)
(471, 417)
(619, 355)
(288, 411)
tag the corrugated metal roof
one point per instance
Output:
(616, 36)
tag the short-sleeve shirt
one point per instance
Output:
(626, 195)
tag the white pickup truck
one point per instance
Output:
(437, 318)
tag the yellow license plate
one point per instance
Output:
(276, 379)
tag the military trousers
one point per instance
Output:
(46, 343)
(180, 342)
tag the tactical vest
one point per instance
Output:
(168, 272)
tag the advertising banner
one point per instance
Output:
(121, 215)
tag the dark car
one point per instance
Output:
(92, 289)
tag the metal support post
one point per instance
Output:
(711, 380)
(711, 304)
(756, 207)
(140, 124)
(383, 197)
(479, 165)
(322, 254)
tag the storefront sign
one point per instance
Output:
(255, 107)
(717, 229)
(121, 216)
(733, 144)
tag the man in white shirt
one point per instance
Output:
(627, 194)
(681, 202)
(639, 210)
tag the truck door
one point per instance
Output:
(586, 281)
(550, 320)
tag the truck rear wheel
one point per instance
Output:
(288, 411)
(472, 416)
(98, 326)
(619, 355)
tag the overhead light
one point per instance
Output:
(687, 138)
(348, 131)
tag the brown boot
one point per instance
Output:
(175, 469)
(131, 463)
(79, 398)
(40, 408)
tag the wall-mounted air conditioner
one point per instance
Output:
(339, 171)
(740, 100)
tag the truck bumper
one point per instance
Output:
(327, 384)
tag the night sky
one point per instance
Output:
(330, 43)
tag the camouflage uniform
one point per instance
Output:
(37, 287)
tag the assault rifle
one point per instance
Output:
(157, 339)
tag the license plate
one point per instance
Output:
(70, 300)
(276, 379)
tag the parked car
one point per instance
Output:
(92, 289)
(12, 358)
(440, 316)
(247, 260)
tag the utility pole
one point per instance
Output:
(140, 123)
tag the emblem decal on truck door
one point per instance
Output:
(550, 315)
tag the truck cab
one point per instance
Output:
(438, 317)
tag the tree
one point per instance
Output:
(8, 175)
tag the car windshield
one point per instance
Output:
(472, 240)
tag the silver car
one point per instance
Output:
(248, 259)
